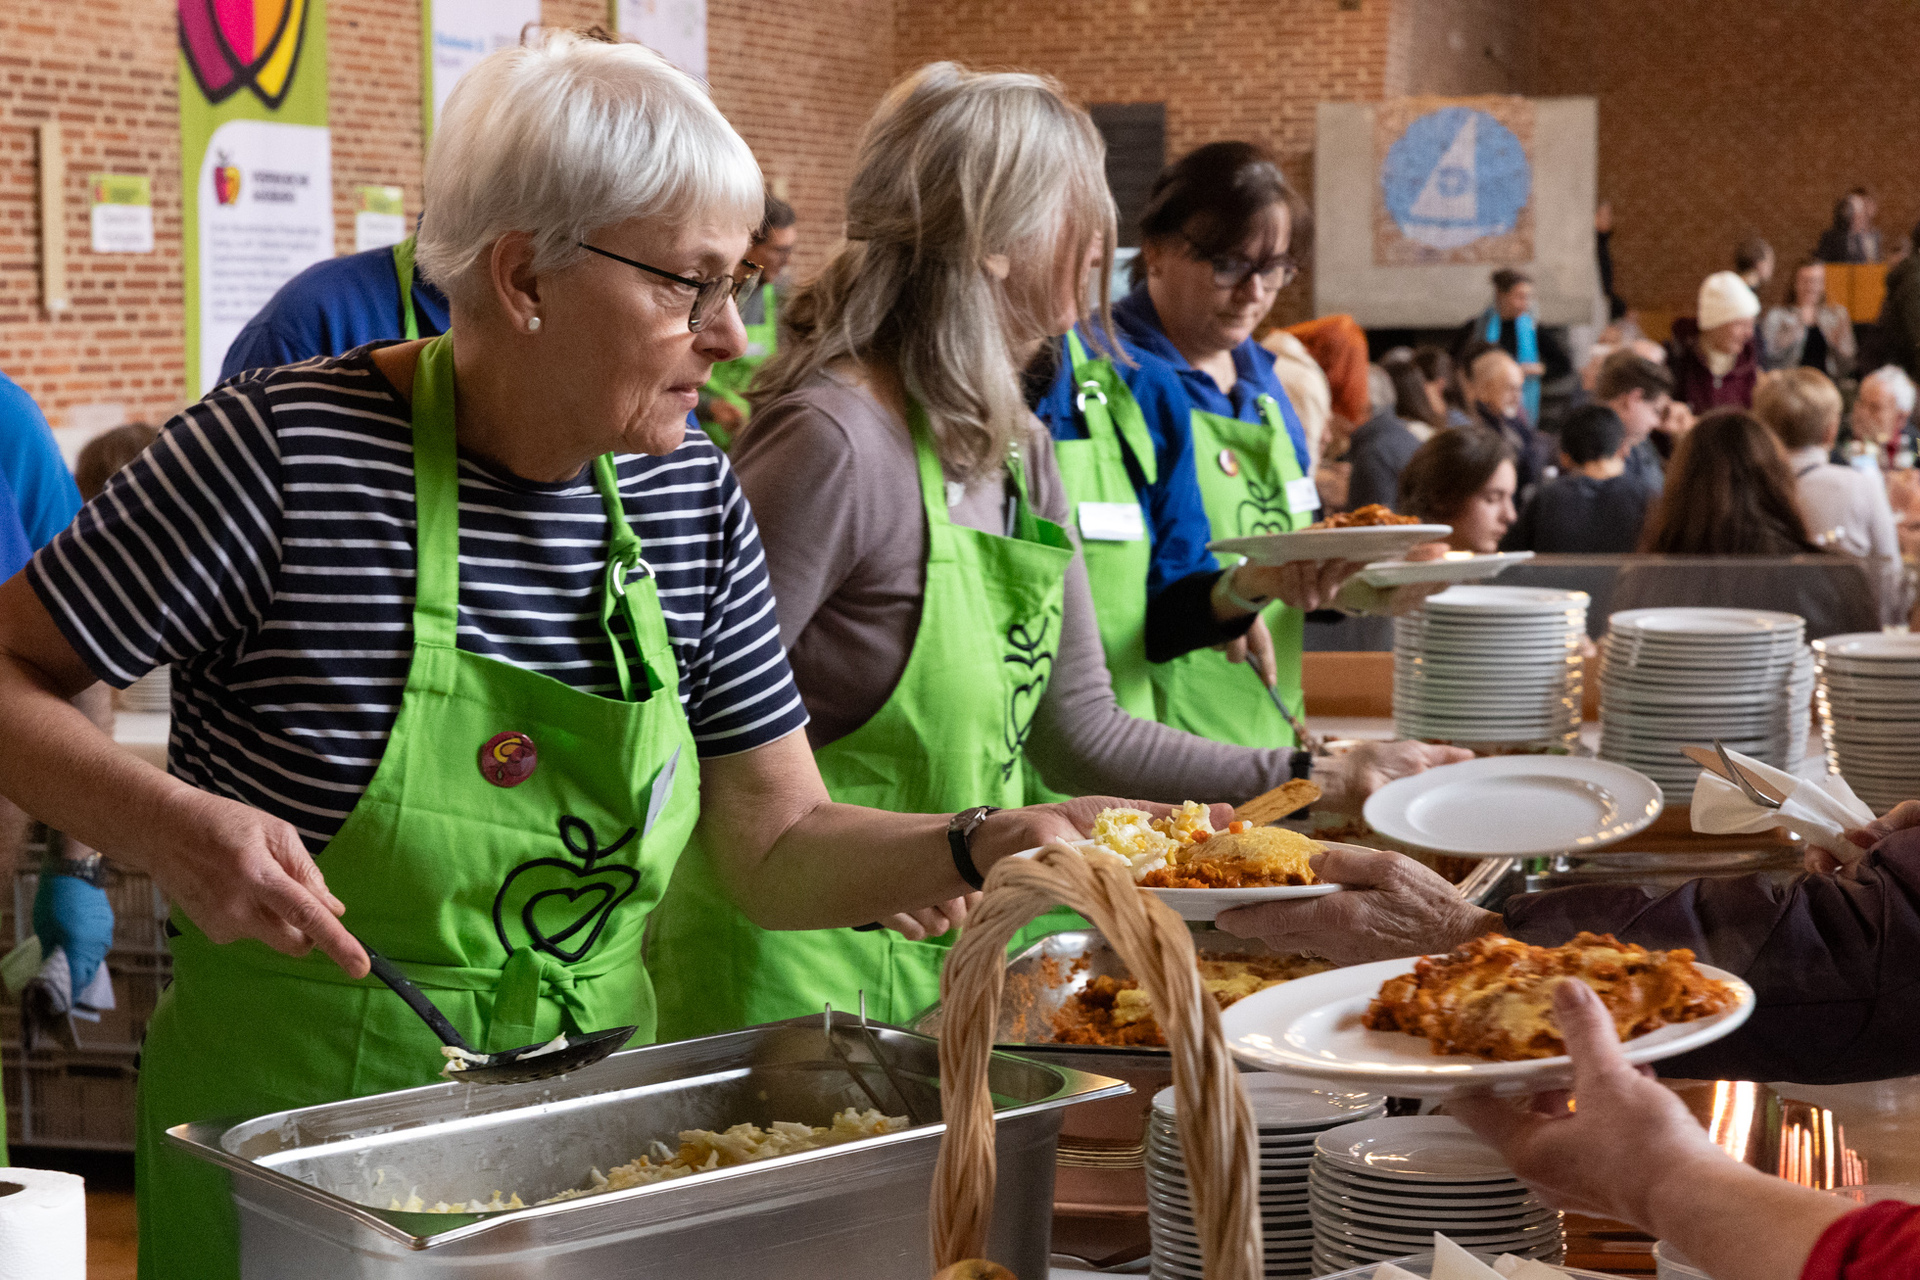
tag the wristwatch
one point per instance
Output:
(960, 838)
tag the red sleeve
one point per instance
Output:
(1879, 1242)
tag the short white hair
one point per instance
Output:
(569, 136)
(1898, 384)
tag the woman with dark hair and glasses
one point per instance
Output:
(1219, 236)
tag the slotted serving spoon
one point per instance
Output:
(510, 1066)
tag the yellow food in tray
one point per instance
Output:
(700, 1151)
(1183, 851)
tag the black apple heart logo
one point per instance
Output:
(554, 902)
(1263, 510)
(1032, 659)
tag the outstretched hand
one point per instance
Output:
(1393, 907)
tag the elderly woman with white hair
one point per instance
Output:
(467, 636)
(936, 610)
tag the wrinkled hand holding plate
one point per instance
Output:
(1311, 1027)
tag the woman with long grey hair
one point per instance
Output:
(934, 607)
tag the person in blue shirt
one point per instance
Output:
(44, 496)
(339, 304)
(1216, 240)
(15, 550)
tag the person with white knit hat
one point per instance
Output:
(1715, 358)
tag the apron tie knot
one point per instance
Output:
(516, 1000)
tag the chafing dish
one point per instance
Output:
(311, 1184)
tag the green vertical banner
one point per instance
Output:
(256, 163)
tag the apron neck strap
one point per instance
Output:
(403, 272)
(1128, 426)
(933, 487)
(616, 596)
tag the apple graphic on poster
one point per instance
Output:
(226, 181)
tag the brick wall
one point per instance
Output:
(1459, 47)
(1720, 118)
(798, 79)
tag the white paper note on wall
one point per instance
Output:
(465, 31)
(675, 29)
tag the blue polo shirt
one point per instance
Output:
(1252, 364)
(1177, 525)
(331, 308)
(45, 498)
(15, 550)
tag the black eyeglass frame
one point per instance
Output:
(1230, 271)
(708, 295)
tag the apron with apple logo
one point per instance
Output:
(506, 855)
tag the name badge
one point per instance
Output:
(1112, 522)
(1302, 495)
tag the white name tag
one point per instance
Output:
(1302, 495)
(1112, 522)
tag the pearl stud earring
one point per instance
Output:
(533, 324)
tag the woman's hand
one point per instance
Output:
(238, 873)
(1393, 907)
(931, 922)
(1347, 780)
(1306, 585)
(1899, 818)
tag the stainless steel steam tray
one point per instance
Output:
(311, 1184)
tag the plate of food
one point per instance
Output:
(1454, 566)
(1371, 533)
(1479, 1019)
(1199, 871)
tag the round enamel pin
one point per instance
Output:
(508, 759)
(1229, 463)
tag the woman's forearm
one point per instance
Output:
(1741, 1222)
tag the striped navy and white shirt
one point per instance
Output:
(265, 546)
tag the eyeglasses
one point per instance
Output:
(708, 296)
(1230, 271)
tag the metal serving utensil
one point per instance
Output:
(510, 1066)
(1301, 734)
(873, 1047)
(1736, 775)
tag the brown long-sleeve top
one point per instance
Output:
(832, 478)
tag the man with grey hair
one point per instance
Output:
(1881, 433)
(1379, 448)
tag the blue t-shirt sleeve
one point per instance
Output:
(1175, 515)
(15, 550)
(44, 494)
(262, 345)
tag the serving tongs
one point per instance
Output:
(1305, 737)
(879, 1057)
(1718, 763)
(509, 1066)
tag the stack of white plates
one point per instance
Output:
(1870, 714)
(1380, 1190)
(1490, 664)
(1289, 1118)
(1674, 677)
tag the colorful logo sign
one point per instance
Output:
(226, 181)
(232, 45)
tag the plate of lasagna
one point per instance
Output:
(1371, 533)
(1479, 1019)
(1199, 871)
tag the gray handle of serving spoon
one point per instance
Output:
(385, 970)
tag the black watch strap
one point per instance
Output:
(960, 840)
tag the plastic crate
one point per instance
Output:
(136, 991)
(11, 1081)
(70, 1100)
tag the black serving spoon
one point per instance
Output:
(510, 1066)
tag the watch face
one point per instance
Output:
(1229, 463)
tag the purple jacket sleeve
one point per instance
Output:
(1833, 961)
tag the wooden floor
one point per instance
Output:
(110, 1235)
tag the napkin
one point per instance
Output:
(1387, 1271)
(1451, 1262)
(1817, 810)
(1515, 1267)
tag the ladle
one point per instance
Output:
(510, 1066)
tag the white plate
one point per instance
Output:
(1311, 1027)
(1515, 806)
(1708, 622)
(1287, 1104)
(1205, 904)
(1871, 646)
(1455, 566)
(1419, 1149)
(1366, 543)
(1507, 600)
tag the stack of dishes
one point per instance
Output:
(1869, 703)
(1674, 677)
(1289, 1117)
(1380, 1189)
(1490, 665)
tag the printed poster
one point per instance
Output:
(457, 34)
(256, 163)
(379, 218)
(1455, 181)
(120, 212)
(674, 29)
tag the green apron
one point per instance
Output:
(1250, 482)
(403, 271)
(1113, 529)
(505, 856)
(949, 737)
(730, 378)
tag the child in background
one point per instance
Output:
(1593, 506)
(106, 453)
